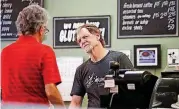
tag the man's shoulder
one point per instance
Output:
(37, 46)
(42, 48)
(45, 48)
(116, 53)
(8, 47)
(84, 64)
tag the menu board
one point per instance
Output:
(147, 18)
(9, 12)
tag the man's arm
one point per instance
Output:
(54, 95)
(76, 102)
(51, 76)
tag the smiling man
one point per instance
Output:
(89, 77)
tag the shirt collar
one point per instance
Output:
(26, 38)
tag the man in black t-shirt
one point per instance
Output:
(89, 77)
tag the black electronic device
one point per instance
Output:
(166, 91)
(170, 74)
(134, 89)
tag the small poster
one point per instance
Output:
(147, 56)
(173, 57)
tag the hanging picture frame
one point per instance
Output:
(173, 57)
(64, 29)
(147, 56)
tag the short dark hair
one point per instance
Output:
(92, 29)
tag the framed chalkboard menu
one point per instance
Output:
(147, 18)
(9, 12)
(64, 29)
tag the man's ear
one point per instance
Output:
(41, 30)
(98, 37)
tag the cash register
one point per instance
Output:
(129, 89)
(166, 91)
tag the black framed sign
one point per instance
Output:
(147, 18)
(64, 29)
(9, 12)
(147, 56)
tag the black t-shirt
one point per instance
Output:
(89, 77)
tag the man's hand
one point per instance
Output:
(76, 102)
(54, 96)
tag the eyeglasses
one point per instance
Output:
(46, 30)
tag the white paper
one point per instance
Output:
(173, 57)
(114, 89)
(67, 67)
(109, 83)
(134, 72)
(131, 86)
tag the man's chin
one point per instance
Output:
(88, 50)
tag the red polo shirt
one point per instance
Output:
(27, 66)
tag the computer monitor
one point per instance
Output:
(134, 91)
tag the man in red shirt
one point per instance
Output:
(29, 69)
